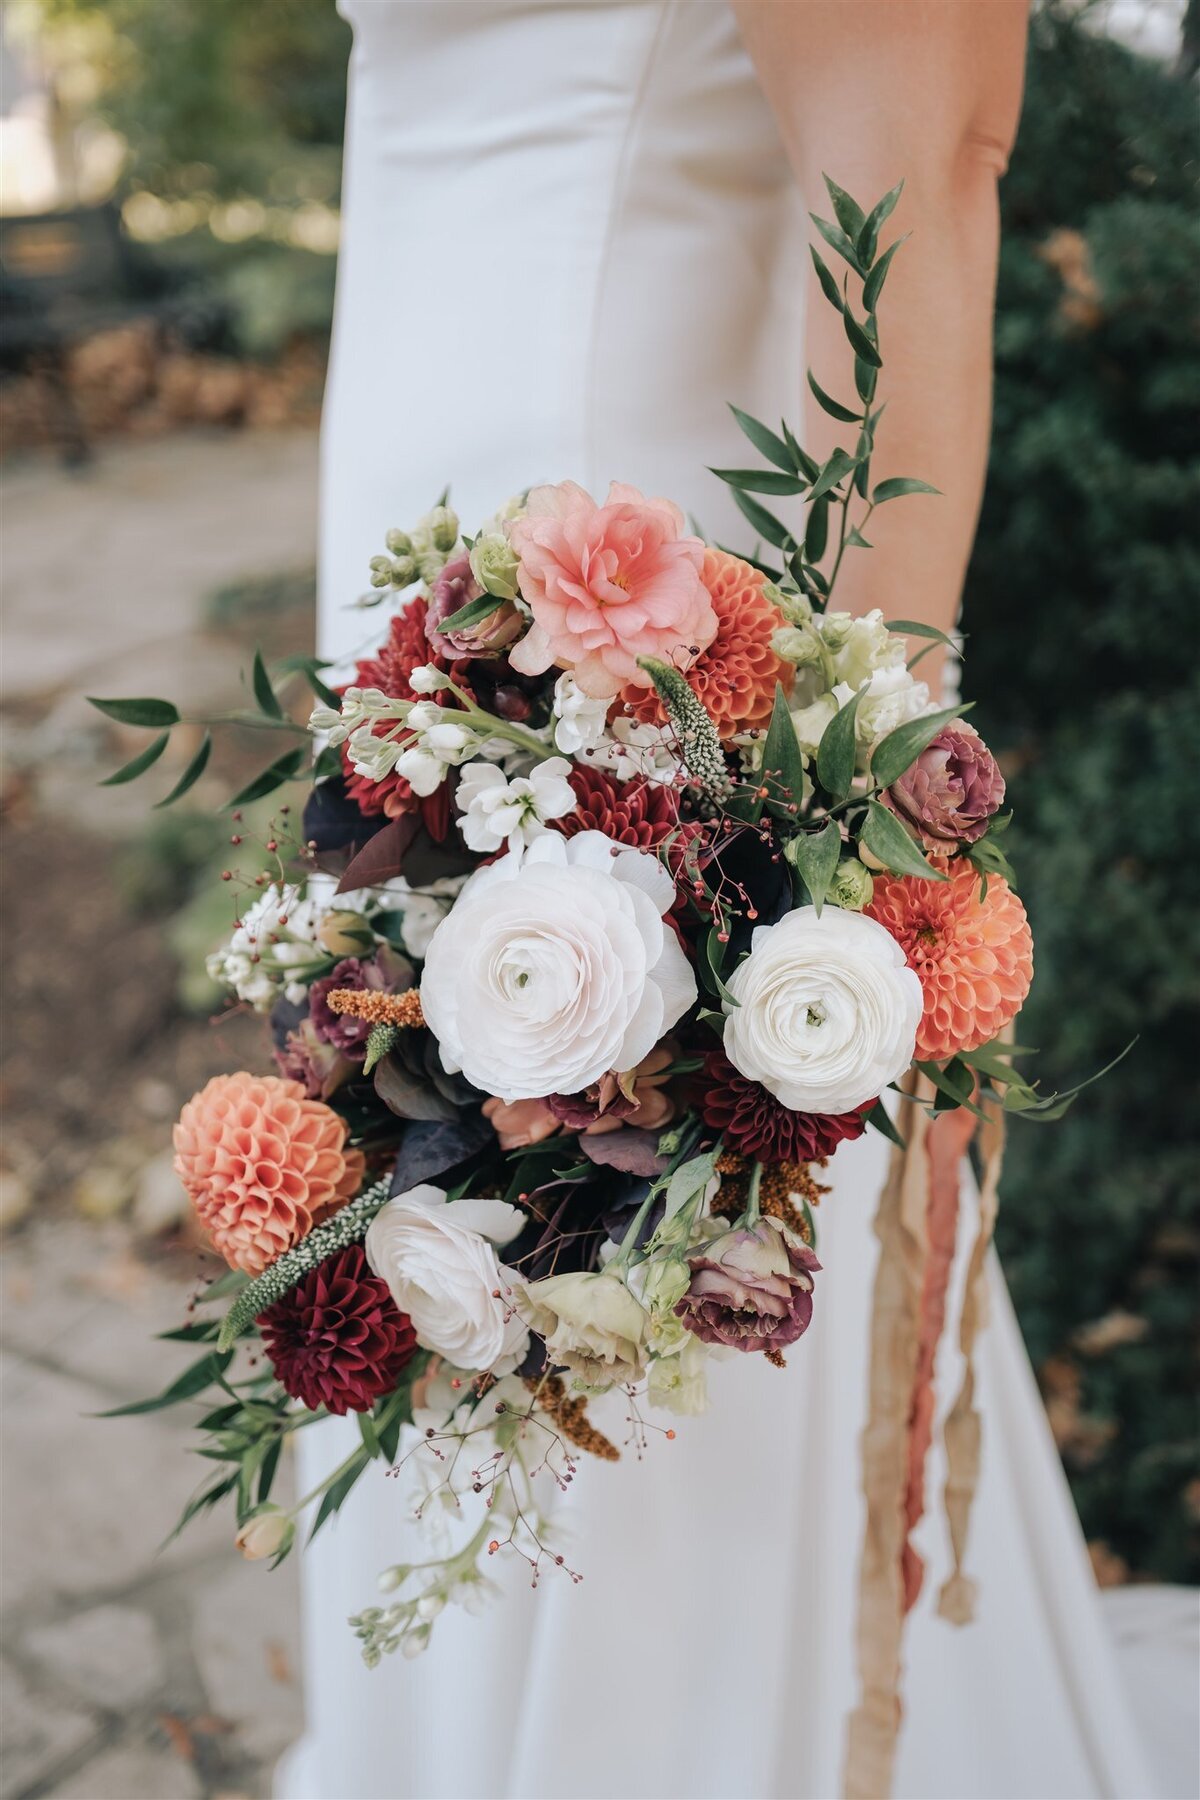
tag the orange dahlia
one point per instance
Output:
(736, 676)
(262, 1165)
(973, 954)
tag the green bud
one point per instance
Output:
(799, 645)
(494, 566)
(403, 571)
(442, 525)
(399, 543)
(794, 606)
(381, 571)
(852, 885)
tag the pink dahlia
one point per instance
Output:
(973, 955)
(607, 584)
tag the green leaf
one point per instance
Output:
(814, 854)
(860, 343)
(865, 378)
(284, 768)
(368, 1434)
(687, 1181)
(266, 1476)
(139, 764)
(849, 213)
(816, 532)
(854, 536)
(333, 1496)
(194, 1380)
(901, 748)
(896, 485)
(807, 465)
(833, 407)
(264, 693)
(867, 239)
(835, 470)
(191, 774)
(837, 240)
(765, 523)
(154, 713)
(309, 667)
(782, 762)
(761, 481)
(955, 1083)
(835, 752)
(873, 285)
(829, 286)
(881, 1120)
(764, 568)
(714, 956)
(471, 613)
(764, 440)
(885, 837)
(918, 628)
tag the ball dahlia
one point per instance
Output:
(736, 676)
(262, 1164)
(338, 1339)
(972, 953)
(754, 1123)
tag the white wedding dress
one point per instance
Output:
(570, 236)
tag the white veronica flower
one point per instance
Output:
(555, 967)
(578, 718)
(825, 1010)
(438, 1261)
(499, 811)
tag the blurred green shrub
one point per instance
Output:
(1083, 605)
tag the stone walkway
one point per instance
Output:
(129, 1672)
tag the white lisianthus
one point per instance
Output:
(555, 967)
(440, 1267)
(680, 1382)
(825, 1010)
(859, 645)
(809, 722)
(498, 811)
(592, 1325)
(579, 719)
(891, 697)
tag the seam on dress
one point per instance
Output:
(616, 209)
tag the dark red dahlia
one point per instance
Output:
(390, 670)
(635, 812)
(756, 1124)
(338, 1340)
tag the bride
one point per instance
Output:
(573, 230)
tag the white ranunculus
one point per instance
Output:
(438, 1261)
(592, 1325)
(498, 811)
(555, 967)
(827, 1010)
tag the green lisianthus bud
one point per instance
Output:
(795, 607)
(799, 645)
(399, 543)
(494, 565)
(381, 571)
(442, 525)
(404, 571)
(345, 934)
(852, 885)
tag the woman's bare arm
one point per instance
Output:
(870, 91)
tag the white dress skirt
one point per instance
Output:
(570, 236)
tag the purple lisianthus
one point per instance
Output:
(455, 588)
(342, 1030)
(954, 787)
(751, 1289)
(320, 1068)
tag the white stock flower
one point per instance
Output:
(555, 967)
(578, 718)
(891, 697)
(440, 1267)
(425, 679)
(859, 645)
(592, 1325)
(635, 752)
(498, 811)
(274, 946)
(826, 1010)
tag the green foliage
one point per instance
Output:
(1082, 602)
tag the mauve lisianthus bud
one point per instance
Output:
(954, 787)
(267, 1532)
(399, 543)
(344, 934)
(852, 885)
(751, 1289)
(454, 588)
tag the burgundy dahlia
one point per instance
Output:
(755, 1124)
(751, 1290)
(338, 1340)
(954, 787)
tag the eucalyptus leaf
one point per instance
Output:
(897, 485)
(837, 240)
(917, 628)
(849, 213)
(193, 1381)
(264, 693)
(153, 713)
(833, 407)
(816, 530)
(867, 239)
(836, 469)
(865, 378)
(138, 765)
(761, 481)
(885, 837)
(764, 522)
(191, 774)
(764, 440)
(807, 465)
(829, 286)
(284, 768)
(814, 855)
(860, 343)
(836, 751)
(898, 751)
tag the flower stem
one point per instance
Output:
(753, 1210)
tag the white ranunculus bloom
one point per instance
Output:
(498, 811)
(438, 1261)
(555, 967)
(827, 1010)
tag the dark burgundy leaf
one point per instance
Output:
(383, 857)
(333, 822)
(431, 1148)
(407, 1096)
(634, 1152)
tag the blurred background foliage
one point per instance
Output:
(1082, 606)
(1083, 609)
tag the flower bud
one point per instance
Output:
(796, 608)
(381, 571)
(852, 885)
(404, 571)
(344, 934)
(442, 525)
(799, 645)
(267, 1532)
(494, 565)
(399, 543)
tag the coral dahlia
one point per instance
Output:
(262, 1164)
(736, 675)
(973, 955)
(338, 1339)
(755, 1124)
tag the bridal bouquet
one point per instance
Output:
(630, 877)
